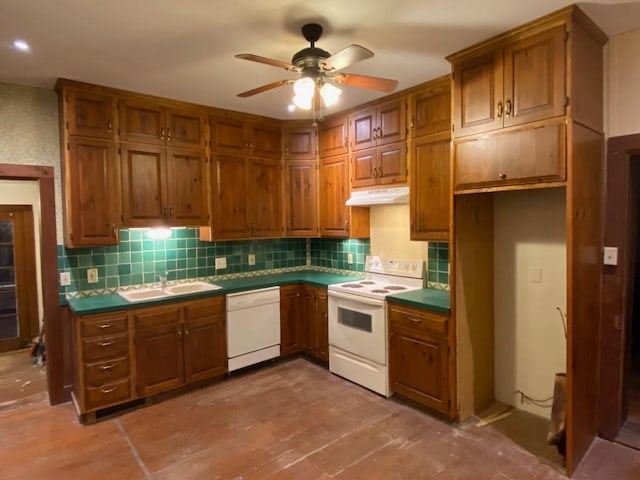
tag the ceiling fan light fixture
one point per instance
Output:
(304, 89)
(329, 94)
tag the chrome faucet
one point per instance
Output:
(163, 281)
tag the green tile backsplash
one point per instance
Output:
(334, 253)
(438, 265)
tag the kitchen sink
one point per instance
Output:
(145, 294)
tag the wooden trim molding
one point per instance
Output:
(49, 267)
(617, 291)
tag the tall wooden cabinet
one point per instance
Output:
(90, 168)
(527, 109)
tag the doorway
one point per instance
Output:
(19, 319)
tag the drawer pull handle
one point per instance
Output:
(106, 325)
(414, 320)
(106, 367)
(106, 344)
(107, 390)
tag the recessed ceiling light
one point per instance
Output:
(21, 45)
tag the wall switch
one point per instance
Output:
(65, 279)
(535, 275)
(251, 259)
(350, 258)
(221, 262)
(92, 275)
(610, 256)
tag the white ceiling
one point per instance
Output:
(185, 49)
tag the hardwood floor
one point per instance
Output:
(20, 380)
(290, 420)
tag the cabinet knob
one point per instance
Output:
(162, 133)
(109, 127)
(502, 176)
(168, 134)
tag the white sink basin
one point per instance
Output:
(145, 294)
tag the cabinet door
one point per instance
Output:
(186, 128)
(332, 137)
(392, 122)
(141, 122)
(89, 114)
(186, 187)
(419, 368)
(322, 325)
(291, 318)
(431, 110)
(228, 136)
(430, 189)
(143, 186)
(363, 167)
(301, 182)
(92, 193)
(265, 194)
(391, 164)
(334, 215)
(308, 323)
(264, 140)
(534, 84)
(205, 344)
(363, 128)
(477, 94)
(229, 200)
(300, 143)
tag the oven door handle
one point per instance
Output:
(357, 298)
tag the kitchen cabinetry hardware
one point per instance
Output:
(108, 389)
(105, 325)
(499, 110)
(106, 367)
(105, 344)
(502, 176)
(507, 110)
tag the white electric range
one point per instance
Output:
(358, 333)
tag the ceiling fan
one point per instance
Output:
(317, 69)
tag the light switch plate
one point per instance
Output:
(610, 256)
(350, 258)
(251, 259)
(65, 279)
(92, 275)
(221, 262)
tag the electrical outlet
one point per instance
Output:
(65, 279)
(221, 262)
(92, 275)
(252, 259)
(350, 258)
(610, 256)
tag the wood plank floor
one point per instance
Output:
(291, 420)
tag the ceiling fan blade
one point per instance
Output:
(364, 81)
(345, 57)
(267, 61)
(264, 88)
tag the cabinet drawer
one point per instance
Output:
(103, 348)
(418, 320)
(97, 374)
(103, 325)
(203, 309)
(156, 316)
(97, 397)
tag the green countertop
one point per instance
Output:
(111, 302)
(436, 300)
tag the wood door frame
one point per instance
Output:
(44, 175)
(617, 296)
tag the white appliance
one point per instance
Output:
(358, 334)
(253, 327)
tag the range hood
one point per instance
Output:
(380, 196)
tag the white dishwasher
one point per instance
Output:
(253, 327)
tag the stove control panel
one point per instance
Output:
(394, 266)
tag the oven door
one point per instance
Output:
(358, 325)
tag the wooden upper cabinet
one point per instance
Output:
(336, 218)
(239, 137)
(385, 165)
(265, 194)
(378, 125)
(518, 82)
(430, 189)
(150, 122)
(300, 143)
(92, 192)
(163, 187)
(89, 114)
(430, 110)
(333, 136)
(229, 179)
(301, 194)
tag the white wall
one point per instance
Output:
(14, 192)
(530, 346)
(623, 79)
(390, 233)
(29, 132)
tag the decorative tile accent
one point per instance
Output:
(438, 265)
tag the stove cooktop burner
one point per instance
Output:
(367, 282)
(379, 290)
(352, 285)
(395, 287)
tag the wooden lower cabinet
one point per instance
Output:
(419, 356)
(303, 321)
